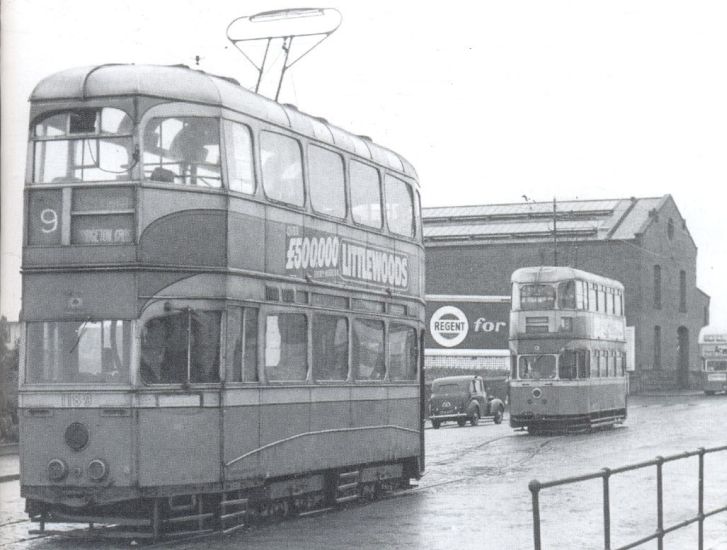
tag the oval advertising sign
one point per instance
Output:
(448, 326)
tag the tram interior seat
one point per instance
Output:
(162, 174)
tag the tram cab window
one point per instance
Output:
(367, 351)
(536, 367)
(330, 347)
(534, 297)
(183, 150)
(78, 352)
(180, 347)
(242, 344)
(365, 194)
(327, 186)
(83, 145)
(402, 352)
(399, 207)
(282, 168)
(567, 295)
(286, 347)
(240, 159)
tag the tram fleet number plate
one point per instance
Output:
(76, 399)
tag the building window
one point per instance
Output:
(657, 347)
(657, 287)
(670, 229)
(683, 291)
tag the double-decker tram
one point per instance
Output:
(567, 337)
(713, 352)
(223, 306)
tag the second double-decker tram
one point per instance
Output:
(223, 305)
(713, 352)
(567, 337)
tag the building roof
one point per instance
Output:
(613, 219)
(178, 82)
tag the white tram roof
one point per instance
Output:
(554, 274)
(180, 83)
(713, 335)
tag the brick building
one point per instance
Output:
(642, 242)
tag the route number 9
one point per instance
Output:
(49, 218)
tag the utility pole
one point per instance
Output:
(555, 234)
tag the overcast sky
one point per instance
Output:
(489, 100)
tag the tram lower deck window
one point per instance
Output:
(402, 352)
(286, 347)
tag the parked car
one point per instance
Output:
(462, 399)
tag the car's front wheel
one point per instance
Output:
(497, 418)
(475, 418)
(435, 424)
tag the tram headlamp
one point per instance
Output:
(97, 469)
(57, 470)
(76, 436)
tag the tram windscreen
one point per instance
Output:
(78, 352)
(536, 367)
(716, 366)
(537, 297)
(83, 145)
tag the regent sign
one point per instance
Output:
(327, 256)
(448, 326)
(468, 325)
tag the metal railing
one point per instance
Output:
(605, 474)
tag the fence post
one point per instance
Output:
(701, 499)
(534, 487)
(659, 503)
(606, 510)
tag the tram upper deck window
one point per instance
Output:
(86, 352)
(534, 297)
(536, 367)
(240, 168)
(399, 207)
(327, 187)
(83, 145)
(282, 168)
(181, 346)
(183, 150)
(365, 194)
(567, 295)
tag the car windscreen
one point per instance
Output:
(446, 388)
